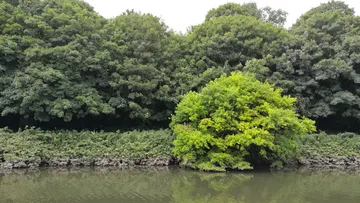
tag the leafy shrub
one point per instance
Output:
(331, 145)
(236, 122)
(33, 144)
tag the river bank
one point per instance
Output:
(100, 162)
(34, 148)
(306, 163)
(330, 162)
(330, 151)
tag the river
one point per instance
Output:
(174, 185)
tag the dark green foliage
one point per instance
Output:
(267, 14)
(64, 66)
(226, 42)
(61, 60)
(320, 66)
(233, 40)
(325, 64)
(331, 145)
(140, 66)
(52, 75)
(35, 145)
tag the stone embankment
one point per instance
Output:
(330, 162)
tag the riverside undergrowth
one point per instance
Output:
(330, 145)
(35, 145)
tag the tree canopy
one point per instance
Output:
(267, 14)
(52, 76)
(62, 65)
(235, 122)
(226, 42)
(325, 58)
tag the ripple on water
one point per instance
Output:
(153, 185)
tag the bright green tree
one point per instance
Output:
(236, 122)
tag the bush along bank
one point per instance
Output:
(34, 148)
(237, 123)
(330, 150)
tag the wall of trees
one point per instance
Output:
(64, 66)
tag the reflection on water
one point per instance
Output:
(178, 186)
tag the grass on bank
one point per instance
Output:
(34, 145)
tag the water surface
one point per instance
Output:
(164, 185)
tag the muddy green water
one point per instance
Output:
(164, 185)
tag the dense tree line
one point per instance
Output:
(62, 65)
